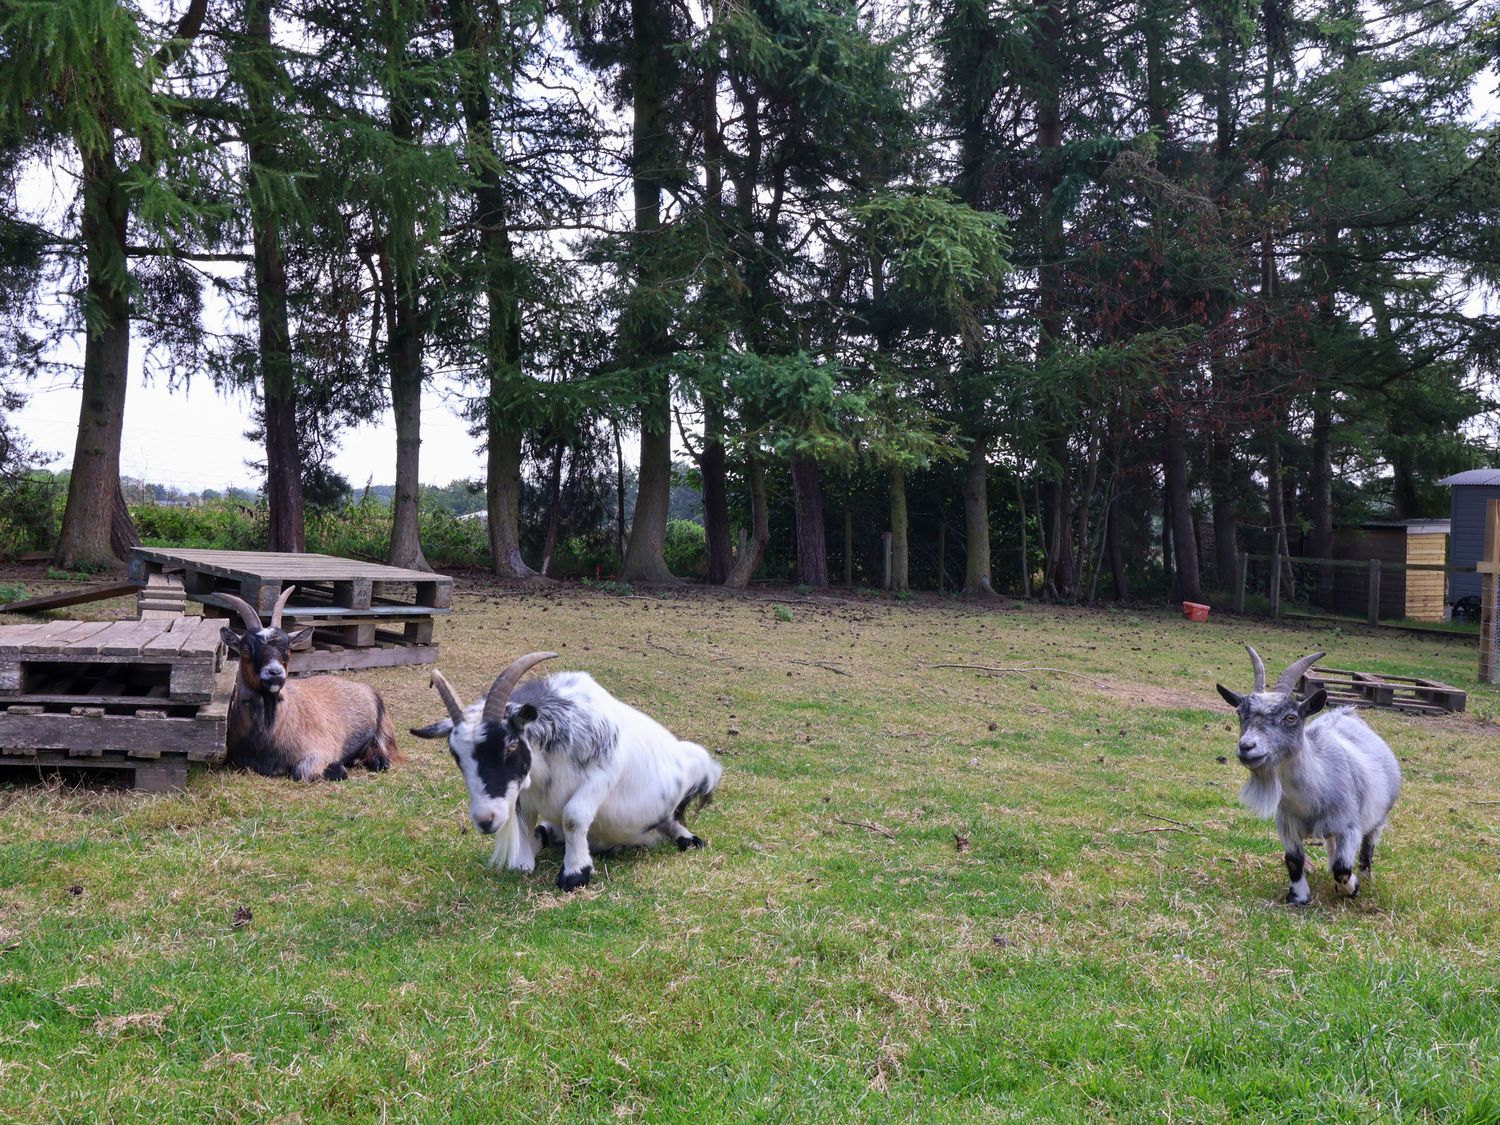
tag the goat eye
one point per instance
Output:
(1290, 720)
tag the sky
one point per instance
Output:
(194, 439)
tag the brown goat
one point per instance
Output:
(305, 729)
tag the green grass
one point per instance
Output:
(930, 894)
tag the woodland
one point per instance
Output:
(1067, 297)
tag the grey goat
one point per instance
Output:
(1332, 777)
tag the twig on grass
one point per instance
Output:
(886, 832)
(1169, 820)
(819, 664)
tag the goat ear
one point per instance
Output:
(300, 637)
(523, 715)
(231, 640)
(438, 729)
(1313, 703)
(1229, 696)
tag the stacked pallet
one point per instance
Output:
(142, 697)
(1369, 689)
(364, 615)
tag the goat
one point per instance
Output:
(305, 729)
(1333, 777)
(560, 750)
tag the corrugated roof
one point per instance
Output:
(1473, 477)
(1417, 527)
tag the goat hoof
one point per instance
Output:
(1349, 888)
(335, 772)
(571, 881)
(1292, 900)
(545, 837)
(686, 842)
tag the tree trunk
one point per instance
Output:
(406, 402)
(1320, 480)
(1179, 498)
(508, 388)
(812, 545)
(1226, 528)
(900, 529)
(123, 536)
(502, 496)
(619, 498)
(278, 372)
(748, 561)
(554, 505)
(712, 467)
(84, 540)
(1025, 559)
(977, 521)
(1276, 506)
(1115, 551)
(651, 148)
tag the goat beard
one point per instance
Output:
(1261, 793)
(508, 839)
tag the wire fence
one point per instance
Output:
(1380, 592)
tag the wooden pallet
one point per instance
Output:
(142, 697)
(1370, 689)
(353, 605)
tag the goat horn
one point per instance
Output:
(280, 605)
(1260, 668)
(1289, 678)
(245, 610)
(505, 683)
(450, 698)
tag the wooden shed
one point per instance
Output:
(1471, 492)
(1418, 595)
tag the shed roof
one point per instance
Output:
(1411, 527)
(1473, 477)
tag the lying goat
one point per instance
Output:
(305, 729)
(562, 751)
(1333, 777)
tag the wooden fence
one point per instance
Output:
(1374, 568)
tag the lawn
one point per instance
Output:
(934, 894)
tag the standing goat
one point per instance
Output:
(562, 751)
(305, 729)
(1333, 777)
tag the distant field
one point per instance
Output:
(937, 895)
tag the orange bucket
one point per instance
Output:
(1195, 611)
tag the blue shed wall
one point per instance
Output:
(1466, 535)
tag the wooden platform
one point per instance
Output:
(1370, 689)
(365, 615)
(143, 697)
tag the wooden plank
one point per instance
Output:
(59, 642)
(169, 776)
(77, 596)
(395, 656)
(15, 638)
(95, 734)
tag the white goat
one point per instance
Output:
(562, 751)
(1333, 777)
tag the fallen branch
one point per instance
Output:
(886, 832)
(1169, 820)
(1022, 671)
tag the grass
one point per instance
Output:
(930, 894)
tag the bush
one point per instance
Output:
(28, 513)
(686, 549)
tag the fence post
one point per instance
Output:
(1275, 585)
(848, 548)
(942, 546)
(885, 541)
(1241, 567)
(1372, 610)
